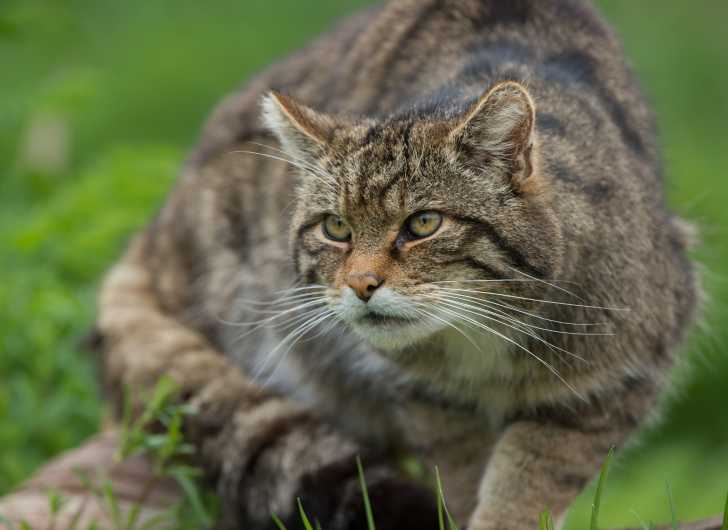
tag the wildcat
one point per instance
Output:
(440, 231)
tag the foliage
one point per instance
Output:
(169, 455)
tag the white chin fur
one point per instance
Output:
(386, 302)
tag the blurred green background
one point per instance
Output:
(99, 102)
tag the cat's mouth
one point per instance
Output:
(378, 319)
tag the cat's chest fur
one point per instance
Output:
(457, 382)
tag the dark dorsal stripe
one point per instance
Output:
(577, 67)
(403, 46)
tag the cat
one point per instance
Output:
(438, 231)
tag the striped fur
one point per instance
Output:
(517, 120)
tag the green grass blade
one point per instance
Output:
(279, 524)
(544, 521)
(157, 522)
(194, 496)
(725, 515)
(673, 515)
(442, 505)
(133, 517)
(55, 502)
(112, 504)
(600, 489)
(73, 524)
(440, 510)
(304, 517)
(644, 525)
(365, 496)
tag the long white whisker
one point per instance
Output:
(539, 317)
(286, 295)
(499, 280)
(514, 324)
(492, 293)
(292, 338)
(280, 304)
(301, 288)
(281, 326)
(546, 283)
(486, 306)
(312, 167)
(429, 314)
(484, 300)
(279, 314)
(323, 179)
(550, 368)
(299, 329)
(334, 320)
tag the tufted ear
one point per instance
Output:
(499, 130)
(301, 130)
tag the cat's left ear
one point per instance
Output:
(499, 130)
(301, 130)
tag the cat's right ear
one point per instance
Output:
(301, 130)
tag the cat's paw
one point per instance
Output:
(333, 498)
(397, 503)
(317, 466)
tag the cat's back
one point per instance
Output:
(439, 55)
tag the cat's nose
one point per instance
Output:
(364, 284)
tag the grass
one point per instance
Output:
(169, 455)
(596, 505)
(100, 102)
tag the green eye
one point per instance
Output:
(423, 224)
(336, 229)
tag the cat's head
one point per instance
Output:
(409, 219)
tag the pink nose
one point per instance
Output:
(364, 284)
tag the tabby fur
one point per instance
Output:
(520, 122)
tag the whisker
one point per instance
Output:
(323, 179)
(546, 283)
(278, 314)
(540, 317)
(292, 339)
(504, 295)
(499, 280)
(484, 300)
(282, 303)
(516, 327)
(300, 327)
(486, 305)
(447, 323)
(550, 368)
(314, 168)
(281, 326)
(301, 288)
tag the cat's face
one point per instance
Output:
(406, 224)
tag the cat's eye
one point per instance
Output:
(336, 229)
(423, 224)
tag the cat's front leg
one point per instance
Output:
(277, 455)
(545, 462)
